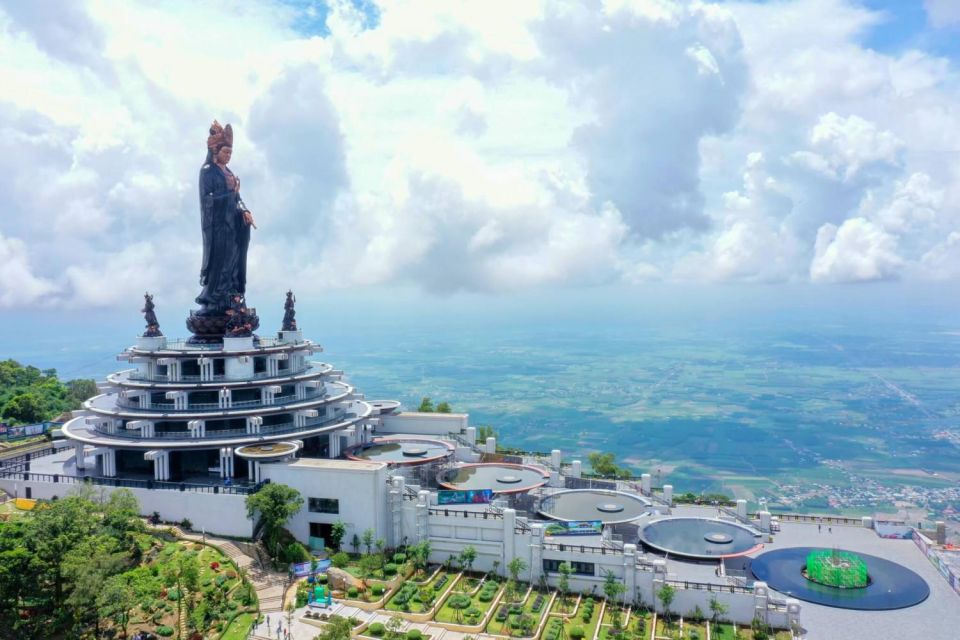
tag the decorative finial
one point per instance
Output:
(153, 327)
(289, 313)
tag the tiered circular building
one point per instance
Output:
(186, 412)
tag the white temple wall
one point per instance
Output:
(360, 489)
(432, 424)
(223, 514)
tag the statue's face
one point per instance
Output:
(223, 156)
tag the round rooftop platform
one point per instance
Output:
(270, 451)
(401, 451)
(500, 477)
(699, 538)
(384, 407)
(891, 586)
(610, 507)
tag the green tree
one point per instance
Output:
(336, 628)
(516, 567)
(117, 600)
(183, 572)
(564, 583)
(80, 390)
(337, 532)
(380, 544)
(443, 407)
(426, 405)
(484, 432)
(420, 556)
(24, 407)
(613, 589)
(368, 540)
(275, 504)
(603, 465)
(717, 609)
(467, 557)
(666, 594)
(355, 543)
(394, 624)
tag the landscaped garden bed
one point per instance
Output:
(419, 597)
(520, 620)
(580, 626)
(463, 608)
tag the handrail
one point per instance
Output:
(167, 407)
(56, 478)
(282, 373)
(580, 548)
(708, 586)
(812, 519)
(285, 427)
(479, 515)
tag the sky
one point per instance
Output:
(491, 148)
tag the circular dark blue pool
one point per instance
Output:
(891, 585)
(699, 538)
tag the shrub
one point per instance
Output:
(399, 558)
(458, 601)
(173, 595)
(414, 634)
(164, 631)
(352, 592)
(389, 569)
(232, 605)
(577, 633)
(377, 590)
(322, 578)
(186, 524)
(377, 629)
(340, 559)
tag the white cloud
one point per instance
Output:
(474, 146)
(942, 13)
(857, 251)
(18, 284)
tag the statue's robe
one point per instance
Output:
(225, 240)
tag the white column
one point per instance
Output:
(764, 521)
(334, 447)
(250, 471)
(630, 571)
(108, 460)
(555, 458)
(471, 435)
(645, 484)
(173, 368)
(300, 417)
(509, 536)
(299, 391)
(206, 368)
(742, 508)
(197, 428)
(576, 469)
(179, 399)
(254, 423)
(225, 400)
(269, 393)
(668, 494)
(78, 455)
(491, 445)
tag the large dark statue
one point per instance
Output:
(226, 223)
(289, 313)
(153, 326)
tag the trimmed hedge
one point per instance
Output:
(577, 633)
(377, 629)
(377, 589)
(164, 631)
(353, 592)
(458, 601)
(414, 634)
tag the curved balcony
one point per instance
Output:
(78, 430)
(271, 430)
(182, 348)
(132, 378)
(108, 405)
(169, 407)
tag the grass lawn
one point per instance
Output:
(239, 629)
(725, 632)
(449, 614)
(510, 625)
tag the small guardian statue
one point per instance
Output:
(153, 326)
(239, 323)
(289, 313)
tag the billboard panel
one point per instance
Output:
(575, 528)
(474, 496)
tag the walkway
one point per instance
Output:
(268, 584)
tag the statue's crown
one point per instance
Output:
(220, 136)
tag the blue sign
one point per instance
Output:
(473, 496)
(575, 528)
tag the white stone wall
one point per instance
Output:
(361, 491)
(433, 424)
(222, 514)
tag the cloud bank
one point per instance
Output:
(462, 146)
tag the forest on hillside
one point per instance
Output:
(29, 394)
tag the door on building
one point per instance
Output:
(319, 534)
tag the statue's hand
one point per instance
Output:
(248, 218)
